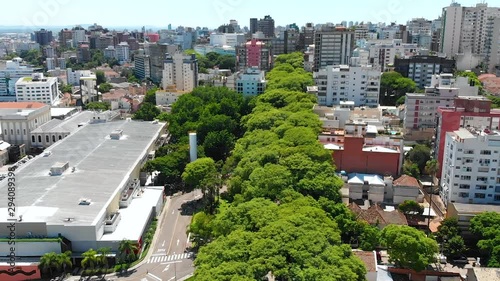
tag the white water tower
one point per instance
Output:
(193, 147)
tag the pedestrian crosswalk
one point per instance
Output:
(173, 257)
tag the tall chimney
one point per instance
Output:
(193, 147)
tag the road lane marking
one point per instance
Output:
(171, 278)
(189, 237)
(178, 242)
(173, 232)
(166, 268)
(155, 277)
(173, 212)
(163, 244)
(170, 258)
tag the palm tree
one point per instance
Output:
(89, 259)
(48, 261)
(103, 257)
(128, 249)
(432, 167)
(64, 261)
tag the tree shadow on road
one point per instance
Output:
(192, 207)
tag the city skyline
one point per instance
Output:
(40, 14)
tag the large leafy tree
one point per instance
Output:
(419, 155)
(408, 247)
(203, 174)
(147, 112)
(487, 226)
(393, 86)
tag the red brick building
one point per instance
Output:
(356, 157)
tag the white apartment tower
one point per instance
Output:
(122, 52)
(471, 170)
(465, 28)
(180, 71)
(38, 88)
(358, 84)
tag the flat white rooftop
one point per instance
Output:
(135, 217)
(102, 167)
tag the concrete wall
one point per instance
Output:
(31, 249)
(23, 229)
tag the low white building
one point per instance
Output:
(168, 97)
(471, 169)
(359, 84)
(227, 39)
(73, 77)
(251, 82)
(38, 88)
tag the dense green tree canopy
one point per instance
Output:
(408, 247)
(294, 240)
(487, 226)
(393, 86)
(102, 106)
(147, 112)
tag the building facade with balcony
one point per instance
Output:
(252, 82)
(38, 88)
(422, 109)
(471, 170)
(336, 84)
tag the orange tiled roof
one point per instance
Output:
(21, 105)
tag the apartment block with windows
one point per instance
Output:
(38, 88)
(180, 71)
(252, 82)
(471, 170)
(422, 109)
(383, 55)
(333, 46)
(359, 84)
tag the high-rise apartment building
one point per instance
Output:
(65, 36)
(252, 82)
(422, 68)
(254, 25)
(465, 28)
(78, 35)
(471, 169)
(254, 53)
(42, 37)
(466, 112)
(333, 46)
(266, 26)
(492, 44)
(122, 52)
(180, 71)
(383, 55)
(359, 84)
(158, 54)
(142, 65)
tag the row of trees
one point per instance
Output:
(53, 263)
(282, 213)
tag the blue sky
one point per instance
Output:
(212, 13)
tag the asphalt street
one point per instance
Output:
(170, 259)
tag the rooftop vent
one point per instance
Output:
(116, 134)
(58, 168)
(84, 202)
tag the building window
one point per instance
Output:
(24, 132)
(479, 195)
(39, 139)
(60, 137)
(53, 138)
(33, 139)
(47, 139)
(5, 132)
